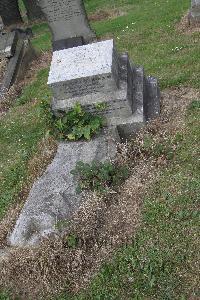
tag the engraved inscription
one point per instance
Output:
(58, 10)
(81, 87)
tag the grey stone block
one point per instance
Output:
(138, 90)
(67, 19)
(194, 15)
(53, 197)
(126, 75)
(151, 98)
(8, 43)
(83, 70)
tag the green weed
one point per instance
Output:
(72, 241)
(99, 176)
(74, 124)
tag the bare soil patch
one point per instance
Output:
(185, 27)
(102, 224)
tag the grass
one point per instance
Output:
(4, 296)
(162, 262)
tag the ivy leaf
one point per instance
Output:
(95, 124)
(78, 109)
(86, 132)
(71, 137)
(65, 120)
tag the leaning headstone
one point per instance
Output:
(67, 20)
(194, 15)
(9, 12)
(33, 10)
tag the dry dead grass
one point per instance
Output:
(101, 225)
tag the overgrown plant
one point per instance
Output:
(99, 176)
(74, 124)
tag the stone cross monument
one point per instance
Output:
(194, 15)
(9, 12)
(68, 22)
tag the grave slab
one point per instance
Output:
(53, 197)
(66, 19)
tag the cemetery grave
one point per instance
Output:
(85, 71)
(90, 75)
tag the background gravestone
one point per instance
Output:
(194, 15)
(33, 10)
(67, 19)
(9, 12)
